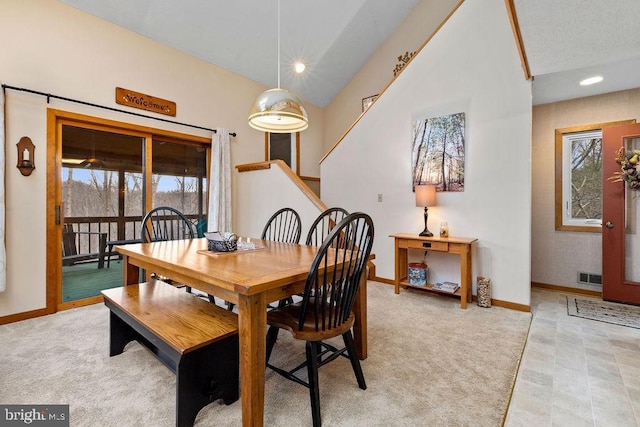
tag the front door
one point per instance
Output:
(621, 215)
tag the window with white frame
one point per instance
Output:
(578, 195)
(582, 178)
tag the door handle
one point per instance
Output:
(608, 224)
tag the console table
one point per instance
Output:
(453, 245)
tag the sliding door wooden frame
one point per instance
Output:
(55, 120)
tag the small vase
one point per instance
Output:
(444, 229)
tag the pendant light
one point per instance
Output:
(278, 110)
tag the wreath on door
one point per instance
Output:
(629, 161)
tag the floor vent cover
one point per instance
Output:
(589, 278)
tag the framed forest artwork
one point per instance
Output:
(437, 152)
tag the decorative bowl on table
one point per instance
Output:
(218, 241)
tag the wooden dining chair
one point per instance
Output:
(283, 226)
(326, 307)
(166, 223)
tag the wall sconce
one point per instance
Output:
(26, 156)
(425, 197)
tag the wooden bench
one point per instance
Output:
(197, 340)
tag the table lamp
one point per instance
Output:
(425, 197)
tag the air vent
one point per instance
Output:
(589, 278)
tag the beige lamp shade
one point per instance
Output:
(278, 111)
(425, 195)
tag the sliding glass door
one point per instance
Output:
(106, 176)
(103, 201)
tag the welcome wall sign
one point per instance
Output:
(145, 102)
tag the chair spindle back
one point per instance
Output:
(283, 226)
(323, 225)
(166, 223)
(334, 277)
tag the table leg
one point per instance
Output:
(252, 325)
(130, 272)
(398, 271)
(465, 277)
(360, 324)
(469, 268)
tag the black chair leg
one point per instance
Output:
(272, 336)
(314, 391)
(353, 357)
(285, 302)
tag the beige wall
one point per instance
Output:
(254, 209)
(376, 74)
(557, 256)
(53, 48)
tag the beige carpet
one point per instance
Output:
(430, 364)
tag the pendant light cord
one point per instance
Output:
(278, 44)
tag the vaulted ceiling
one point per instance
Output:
(565, 41)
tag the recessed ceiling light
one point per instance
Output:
(591, 80)
(299, 67)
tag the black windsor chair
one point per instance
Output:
(283, 226)
(166, 223)
(323, 225)
(326, 308)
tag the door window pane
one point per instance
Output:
(179, 173)
(632, 241)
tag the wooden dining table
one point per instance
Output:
(249, 278)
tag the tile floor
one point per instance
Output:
(574, 371)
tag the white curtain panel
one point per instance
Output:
(3, 253)
(219, 218)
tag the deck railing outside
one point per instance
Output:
(90, 229)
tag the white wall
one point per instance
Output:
(50, 47)
(260, 193)
(558, 256)
(470, 66)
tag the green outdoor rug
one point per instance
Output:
(87, 280)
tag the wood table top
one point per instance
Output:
(244, 272)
